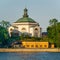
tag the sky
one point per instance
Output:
(39, 10)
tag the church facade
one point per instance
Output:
(25, 25)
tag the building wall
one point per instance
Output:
(29, 28)
(31, 31)
(9, 29)
(35, 44)
(20, 27)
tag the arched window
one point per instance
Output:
(36, 32)
(36, 46)
(36, 29)
(23, 30)
(11, 29)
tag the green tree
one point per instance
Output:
(5, 24)
(4, 36)
(54, 31)
(53, 21)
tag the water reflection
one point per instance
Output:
(29, 56)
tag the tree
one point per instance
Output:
(5, 24)
(53, 21)
(54, 31)
(4, 36)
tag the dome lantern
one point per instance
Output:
(25, 13)
(25, 18)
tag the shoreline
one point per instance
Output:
(29, 50)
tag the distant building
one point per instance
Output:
(25, 25)
(44, 34)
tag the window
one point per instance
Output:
(23, 30)
(27, 45)
(36, 29)
(32, 45)
(11, 29)
(36, 45)
(45, 45)
(40, 45)
(36, 32)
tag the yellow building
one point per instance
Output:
(35, 44)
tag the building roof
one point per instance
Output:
(25, 18)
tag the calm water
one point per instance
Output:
(29, 56)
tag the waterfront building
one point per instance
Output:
(25, 25)
(32, 44)
(35, 44)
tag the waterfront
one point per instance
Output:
(30, 56)
(29, 50)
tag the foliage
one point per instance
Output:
(27, 37)
(54, 32)
(5, 24)
(4, 36)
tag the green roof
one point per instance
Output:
(25, 18)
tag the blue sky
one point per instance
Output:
(40, 10)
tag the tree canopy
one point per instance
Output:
(3, 35)
(5, 24)
(54, 31)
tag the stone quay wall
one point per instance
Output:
(29, 50)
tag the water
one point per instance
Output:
(30, 56)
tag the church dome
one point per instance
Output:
(25, 18)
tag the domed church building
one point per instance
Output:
(25, 25)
